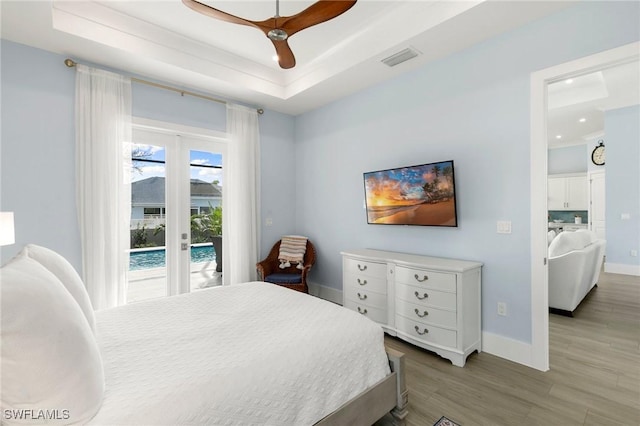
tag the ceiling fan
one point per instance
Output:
(279, 28)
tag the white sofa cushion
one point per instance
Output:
(62, 269)
(49, 357)
(568, 241)
(592, 235)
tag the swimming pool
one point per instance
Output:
(156, 258)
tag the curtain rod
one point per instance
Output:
(71, 63)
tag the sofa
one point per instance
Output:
(575, 261)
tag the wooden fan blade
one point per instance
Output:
(317, 13)
(286, 59)
(218, 14)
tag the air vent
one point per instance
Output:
(400, 57)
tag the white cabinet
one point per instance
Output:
(430, 302)
(567, 192)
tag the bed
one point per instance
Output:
(246, 354)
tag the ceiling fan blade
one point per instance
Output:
(317, 13)
(286, 59)
(218, 14)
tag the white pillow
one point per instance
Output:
(49, 357)
(62, 269)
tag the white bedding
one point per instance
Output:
(247, 354)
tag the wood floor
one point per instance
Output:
(594, 377)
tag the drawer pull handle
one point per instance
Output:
(424, 314)
(424, 278)
(362, 311)
(421, 298)
(362, 268)
(362, 297)
(363, 282)
(425, 331)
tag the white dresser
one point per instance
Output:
(430, 302)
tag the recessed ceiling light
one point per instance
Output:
(275, 58)
(582, 120)
(569, 81)
(558, 136)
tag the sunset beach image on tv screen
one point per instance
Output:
(415, 195)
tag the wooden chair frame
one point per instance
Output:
(270, 265)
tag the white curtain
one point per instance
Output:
(103, 191)
(241, 195)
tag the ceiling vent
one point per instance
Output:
(400, 57)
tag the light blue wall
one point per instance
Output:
(38, 149)
(571, 159)
(622, 129)
(472, 107)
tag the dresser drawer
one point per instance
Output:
(426, 315)
(374, 314)
(426, 333)
(426, 278)
(426, 297)
(363, 296)
(364, 282)
(363, 267)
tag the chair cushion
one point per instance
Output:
(284, 278)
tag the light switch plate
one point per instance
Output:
(504, 227)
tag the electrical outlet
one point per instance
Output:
(634, 253)
(268, 222)
(502, 309)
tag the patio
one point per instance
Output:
(151, 283)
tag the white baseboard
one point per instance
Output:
(327, 293)
(621, 268)
(504, 347)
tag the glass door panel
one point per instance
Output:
(205, 208)
(147, 259)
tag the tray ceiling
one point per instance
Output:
(166, 41)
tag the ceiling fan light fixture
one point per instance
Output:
(277, 34)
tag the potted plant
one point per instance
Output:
(578, 218)
(209, 227)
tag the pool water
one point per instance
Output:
(147, 259)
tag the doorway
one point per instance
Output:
(176, 210)
(539, 169)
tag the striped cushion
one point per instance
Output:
(292, 248)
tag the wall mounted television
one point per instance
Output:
(414, 195)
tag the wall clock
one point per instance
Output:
(597, 156)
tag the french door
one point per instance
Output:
(176, 210)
